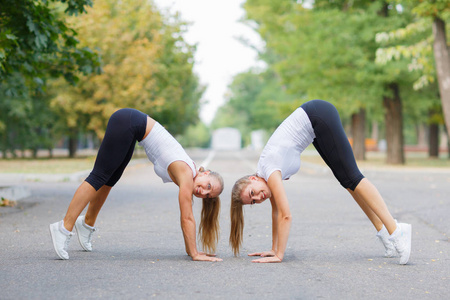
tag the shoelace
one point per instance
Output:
(66, 242)
(389, 247)
(399, 245)
(91, 232)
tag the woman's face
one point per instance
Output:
(206, 186)
(256, 191)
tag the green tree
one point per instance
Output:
(256, 100)
(147, 65)
(36, 44)
(197, 135)
(329, 51)
(423, 40)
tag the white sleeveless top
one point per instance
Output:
(162, 149)
(282, 151)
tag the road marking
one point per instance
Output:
(250, 165)
(208, 159)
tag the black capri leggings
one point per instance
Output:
(125, 127)
(331, 142)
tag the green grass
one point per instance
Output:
(60, 165)
(46, 165)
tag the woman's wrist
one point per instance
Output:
(279, 255)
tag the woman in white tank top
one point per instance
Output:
(172, 164)
(316, 122)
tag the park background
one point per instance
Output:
(66, 66)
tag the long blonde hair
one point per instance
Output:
(237, 214)
(209, 229)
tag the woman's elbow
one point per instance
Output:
(286, 218)
(187, 219)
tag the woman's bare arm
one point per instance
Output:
(282, 218)
(182, 176)
(274, 232)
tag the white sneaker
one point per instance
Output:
(60, 240)
(383, 236)
(84, 233)
(401, 239)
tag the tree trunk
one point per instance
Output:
(448, 146)
(442, 58)
(358, 133)
(448, 140)
(394, 126)
(4, 142)
(375, 131)
(433, 145)
(73, 141)
(421, 135)
(34, 152)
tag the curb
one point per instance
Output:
(14, 192)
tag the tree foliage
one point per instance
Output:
(329, 52)
(36, 44)
(197, 135)
(414, 42)
(35, 41)
(426, 50)
(146, 65)
(256, 100)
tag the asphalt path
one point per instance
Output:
(139, 250)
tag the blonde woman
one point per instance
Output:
(315, 122)
(171, 163)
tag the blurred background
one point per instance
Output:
(224, 76)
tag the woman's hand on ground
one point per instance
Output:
(269, 259)
(263, 254)
(203, 257)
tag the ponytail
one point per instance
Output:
(237, 214)
(209, 228)
(237, 226)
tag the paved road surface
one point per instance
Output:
(139, 252)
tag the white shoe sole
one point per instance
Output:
(54, 244)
